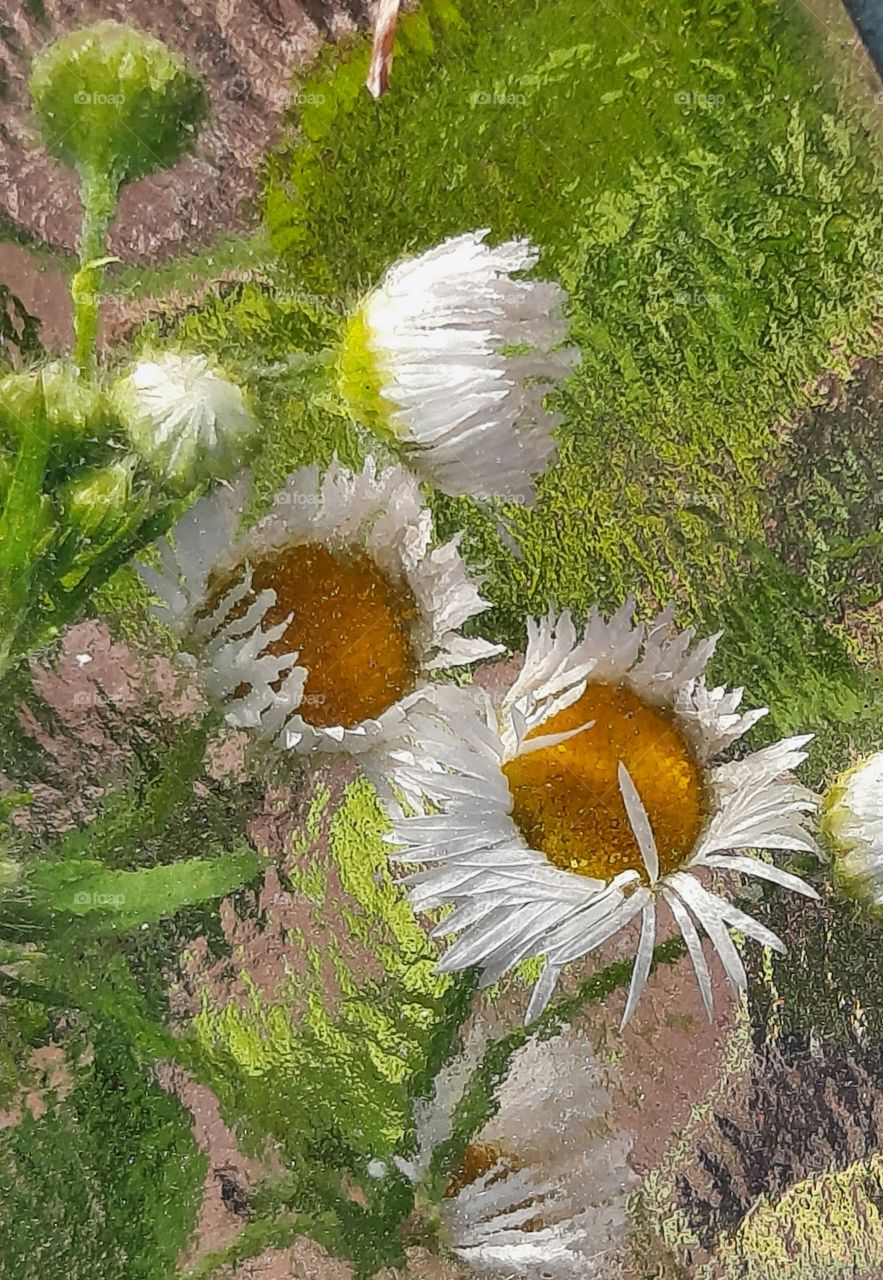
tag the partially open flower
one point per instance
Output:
(454, 354)
(852, 823)
(543, 1188)
(587, 796)
(186, 418)
(319, 629)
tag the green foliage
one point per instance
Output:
(115, 104)
(107, 1183)
(74, 507)
(127, 899)
(76, 411)
(826, 501)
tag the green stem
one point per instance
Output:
(99, 196)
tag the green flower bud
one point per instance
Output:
(96, 502)
(112, 101)
(75, 409)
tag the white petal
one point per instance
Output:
(640, 822)
(643, 960)
(694, 948)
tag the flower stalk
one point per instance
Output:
(100, 197)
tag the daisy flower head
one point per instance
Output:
(185, 417)
(542, 1190)
(453, 355)
(852, 823)
(590, 793)
(320, 626)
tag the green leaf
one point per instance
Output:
(84, 887)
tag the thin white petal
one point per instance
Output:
(694, 948)
(643, 960)
(640, 822)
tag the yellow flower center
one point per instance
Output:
(351, 626)
(567, 801)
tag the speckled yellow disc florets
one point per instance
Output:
(349, 623)
(567, 799)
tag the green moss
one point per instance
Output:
(828, 1225)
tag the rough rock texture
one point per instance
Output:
(244, 49)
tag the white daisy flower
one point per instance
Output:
(453, 354)
(542, 1190)
(852, 822)
(185, 417)
(320, 627)
(586, 796)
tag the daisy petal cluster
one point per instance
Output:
(543, 1188)
(319, 628)
(453, 354)
(852, 823)
(592, 792)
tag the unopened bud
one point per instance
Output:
(186, 418)
(97, 501)
(75, 409)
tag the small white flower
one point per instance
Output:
(551, 816)
(853, 826)
(543, 1189)
(454, 354)
(322, 625)
(185, 417)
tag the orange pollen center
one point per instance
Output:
(567, 801)
(351, 626)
